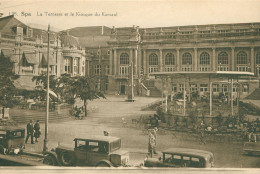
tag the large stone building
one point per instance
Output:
(111, 54)
(204, 48)
(27, 49)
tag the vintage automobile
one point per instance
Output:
(98, 151)
(252, 148)
(182, 157)
(11, 139)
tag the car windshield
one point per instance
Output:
(115, 145)
(15, 134)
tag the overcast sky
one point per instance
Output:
(142, 13)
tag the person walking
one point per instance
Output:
(37, 131)
(30, 131)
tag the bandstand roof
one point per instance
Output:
(203, 73)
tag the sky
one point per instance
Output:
(67, 14)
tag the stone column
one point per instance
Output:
(195, 59)
(252, 60)
(139, 58)
(232, 59)
(72, 66)
(146, 71)
(136, 63)
(178, 60)
(161, 60)
(115, 63)
(111, 62)
(213, 59)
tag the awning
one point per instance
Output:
(7, 53)
(52, 61)
(30, 57)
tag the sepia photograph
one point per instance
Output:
(148, 86)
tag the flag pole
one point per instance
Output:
(45, 147)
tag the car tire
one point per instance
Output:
(49, 160)
(67, 158)
(2, 150)
(103, 164)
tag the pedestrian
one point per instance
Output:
(151, 143)
(252, 133)
(37, 131)
(30, 131)
(154, 132)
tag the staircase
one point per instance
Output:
(154, 92)
(24, 115)
(254, 95)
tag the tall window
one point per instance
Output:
(153, 63)
(153, 59)
(169, 59)
(76, 66)
(257, 58)
(223, 61)
(124, 64)
(97, 69)
(241, 58)
(107, 69)
(242, 61)
(186, 59)
(223, 58)
(204, 58)
(67, 63)
(124, 59)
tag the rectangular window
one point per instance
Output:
(215, 88)
(245, 88)
(76, 66)
(97, 69)
(107, 69)
(67, 65)
(174, 87)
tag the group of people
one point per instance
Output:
(33, 131)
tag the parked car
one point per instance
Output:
(99, 151)
(252, 148)
(11, 139)
(182, 157)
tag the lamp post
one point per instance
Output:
(45, 148)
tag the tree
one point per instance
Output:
(83, 87)
(7, 88)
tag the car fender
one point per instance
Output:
(106, 162)
(54, 155)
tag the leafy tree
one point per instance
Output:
(83, 88)
(7, 88)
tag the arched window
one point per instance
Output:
(153, 59)
(186, 59)
(124, 59)
(257, 58)
(223, 58)
(169, 59)
(204, 58)
(241, 58)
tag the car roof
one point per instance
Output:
(99, 138)
(10, 128)
(187, 151)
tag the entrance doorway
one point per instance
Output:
(122, 89)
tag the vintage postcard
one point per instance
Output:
(133, 86)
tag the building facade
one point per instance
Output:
(205, 48)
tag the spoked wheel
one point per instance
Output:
(49, 160)
(66, 158)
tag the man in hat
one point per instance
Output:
(30, 131)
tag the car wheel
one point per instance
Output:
(49, 160)
(67, 158)
(103, 164)
(2, 150)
